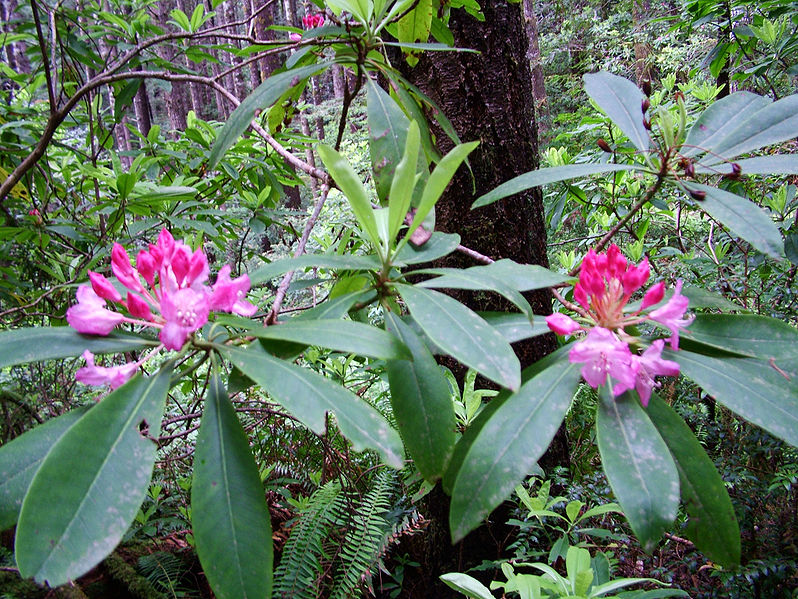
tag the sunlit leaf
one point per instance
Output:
(747, 334)
(622, 101)
(720, 119)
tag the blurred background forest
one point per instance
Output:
(108, 113)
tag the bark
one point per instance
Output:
(260, 27)
(141, 106)
(487, 98)
(644, 69)
(533, 56)
(222, 108)
(176, 99)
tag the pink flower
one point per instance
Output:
(653, 296)
(100, 375)
(670, 315)
(120, 264)
(228, 295)
(185, 311)
(103, 287)
(295, 37)
(604, 354)
(90, 316)
(562, 324)
(312, 21)
(649, 365)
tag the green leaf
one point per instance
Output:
(476, 278)
(515, 327)
(341, 335)
(780, 164)
(415, 27)
(467, 585)
(33, 344)
(404, 181)
(308, 396)
(88, 489)
(422, 403)
(544, 176)
(771, 124)
(463, 335)
(754, 389)
(388, 127)
(712, 525)
(743, 218)
(746, 334)
(330, 261)
(622, 101)
(438, 181)
(718, 120)
(351, 186)
(21, 457)
(521, 277)
(266, 94)
(229, 517)
(638, 466)
(437, 246)
(508, 445)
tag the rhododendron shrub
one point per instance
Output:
(166, 290)
(607, 281)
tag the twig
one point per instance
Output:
(475, 255)
(271, 318)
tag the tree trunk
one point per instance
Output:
(533, 56)
(141, 106)
(487, 96)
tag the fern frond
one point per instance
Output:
(364, 538)
(298, 574)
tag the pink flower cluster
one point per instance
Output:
(166, 290)
(606, 283)
(308, 22)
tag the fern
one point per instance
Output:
(365, 538)
(164, 572)
(299, 572)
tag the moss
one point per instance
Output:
(135, 583)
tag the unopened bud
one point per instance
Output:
(698, 195)
(646, 104)
(647, 124)
(735, 172)
(604, 145)
(646, 86)
(689, 169)
(678, 96)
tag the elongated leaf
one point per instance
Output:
(20, 346)
(720, 119)
(521, 277)
(437, 246)
(348, 181)
(337, 307)
(712, 525)
(638, 465)
(743, 218)
(266, 94)
(747, 334)
(404, 181)
(462, 334)
(515, 327)
(87, 491)
(479, 279)
(388, 127)
(342, 335)
(20, 458)
(773, 123)
(544, 176)
(509, 445)
(330, 261)
(622, 101)
(780, 164)
(467, 585)
(422, 403)
(308, 396)
(229, 516)
(754, 389)
(438, 181)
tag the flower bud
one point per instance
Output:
(604, 145)
(103, 287)
(562, 324)
(653, 296)
(645, 105)
(646, 87)
(698, 195)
